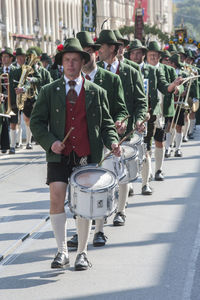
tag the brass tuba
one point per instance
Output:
(31, 90)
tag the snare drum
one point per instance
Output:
(137, 141)
(131, 162)
(93, 192)
(115, 165)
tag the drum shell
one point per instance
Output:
(137, 141)
(92, 203)
(131, 164)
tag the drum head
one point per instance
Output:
(94, 178)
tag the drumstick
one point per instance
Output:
(67, 135)
(128, 116)
(122, 140)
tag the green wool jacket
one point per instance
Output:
(168, 105)
(115, 94)
(45, 77)
(48, 119)
(134, 94)
(158, 81)
(132, 64)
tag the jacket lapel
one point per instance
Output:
(60, 90)
(89, 94)
(98, 79)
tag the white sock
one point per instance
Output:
(123, 197)
(28, 135)
(12, 138)
(192, 125)
(19, 135)
(178, 140)
(83, 230)
(159, 157)
(173, 136)
(59, 225)
(186, 128)
(146, 170)
(99, 225)
(168, 140)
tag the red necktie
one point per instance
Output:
(72, 94)
(87, 77)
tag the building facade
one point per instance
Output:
(24, 23)
(160, 13)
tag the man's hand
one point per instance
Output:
(120, 126)
(140, 126)
(57, 147)
(19, 91)
(116, 149)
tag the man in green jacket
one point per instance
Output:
(154, 80)
(134, 95)
(73, 102)
(117, 108)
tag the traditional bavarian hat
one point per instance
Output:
(86, 40)
(107, 36)
(136, 45)
(71, 45)
(119, 37)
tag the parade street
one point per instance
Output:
(155, 256)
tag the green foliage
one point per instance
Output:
(153, 30)
(188, 13)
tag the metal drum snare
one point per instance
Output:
(93, 192)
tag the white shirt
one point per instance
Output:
(4, 69)
(92, 74)
(114, 66)
(78, 86)
(141, 65)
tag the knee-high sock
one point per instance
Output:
(178, 140)
(83, 230)
(146, 170)
(186, 128)
(28, 135)
(99, 225)
(173, 136)
(192, 125)
(159, 157)
(59, 225)
(19, 135)
(123, 197)
(168, 140)
(12, 138)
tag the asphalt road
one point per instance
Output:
(155, 256)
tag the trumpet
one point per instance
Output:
(4, 83)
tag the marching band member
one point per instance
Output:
(155, 81)
(135, 100)
(71, 101)
(7, 68)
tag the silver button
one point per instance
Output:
(73, 118)
(73, 147)
(93, 115)
(70, 109)
(73, 137)
(57, 110)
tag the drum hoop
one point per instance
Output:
(136, 152)
(93, 168)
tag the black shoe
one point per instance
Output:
(99, 239)
(12, 151)
(61, 260)
(119, 219)
(73, 243)
(29, 146)
(146, 190)
(131, 192)
(190, 136)
(3, 151)
(185, 139)
(18, 146)
(178, 153)
(159, 176)
(82, 263)
(167, 153)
